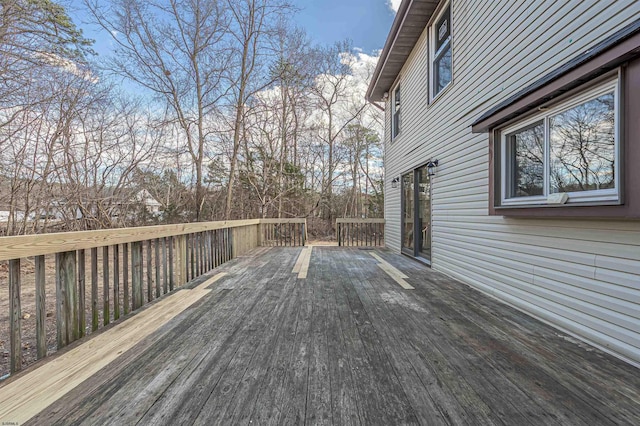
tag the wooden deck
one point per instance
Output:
(348, 345)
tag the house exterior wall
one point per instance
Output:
(582, 276)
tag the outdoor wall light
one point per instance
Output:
(394, 182)
(431, 167)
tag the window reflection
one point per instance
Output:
(582, 145)
(527, 152)
(407, 188)
(443, 70)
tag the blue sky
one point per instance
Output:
(365, 22)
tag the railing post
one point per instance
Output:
(181, 259)
(15, 335)
(136, 274)
(232, 236)
(67, 306)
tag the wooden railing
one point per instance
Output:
(122, 269)
(283, 232)
(360, 232)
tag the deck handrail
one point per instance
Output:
(168, 256)
(40, 244)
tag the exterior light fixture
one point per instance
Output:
(394, 182)
(431, 167)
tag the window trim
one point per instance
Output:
(396, 109)
(434, 55)
(602, 196)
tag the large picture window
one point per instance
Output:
(571, 148)
(442, 63)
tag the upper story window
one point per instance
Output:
(442, 64)
(395, 120)
(568, 153)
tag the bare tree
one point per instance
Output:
(253, 27)
(175, 50)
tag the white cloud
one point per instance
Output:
(394, 4)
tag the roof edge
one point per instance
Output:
(388, 45)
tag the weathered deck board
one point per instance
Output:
(348, 346)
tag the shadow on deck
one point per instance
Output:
(346, 345)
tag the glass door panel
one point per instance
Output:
(408, 202)
(423, 213)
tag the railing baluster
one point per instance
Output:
(94, 289)
(157, 259)
(191, 264)
(116, 282)
(171, 266)
(210, 248)
(165, 282)
(126, 302)
(136, 274)
(149, 272)
(41, 307)
(82, 291)
(106, 314)
(216, 250)
(199, 254)
(15, 333)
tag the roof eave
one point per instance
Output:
(410, 21)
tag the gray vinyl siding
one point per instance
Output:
(583, 276)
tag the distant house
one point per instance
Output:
(151, 204)
(512, 155)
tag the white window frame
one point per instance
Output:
(396, 109)
(433, 36)
(595, 196)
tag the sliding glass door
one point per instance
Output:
(423, 212)
(416, 214)
(408, 209)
